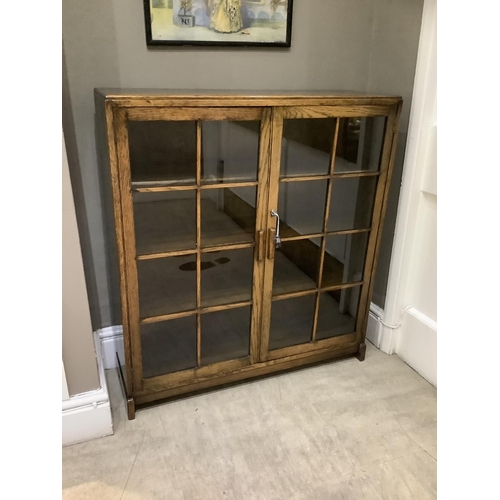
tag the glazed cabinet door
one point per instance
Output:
(194, 184)
(327, 183)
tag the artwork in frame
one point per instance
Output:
(258, 23)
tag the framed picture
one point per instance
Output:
(250, 23)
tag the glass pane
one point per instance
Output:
(338, 311)
(301, 206)
(168, 346)
(165, 221)
(306, 146)
(344, 260)
(352, 201)
(359, 145)
(296, 266)
(225, 335)
(167, 285)
(291, 321)
(228, 216)
(226, 277)
(162, 152)
(230, 151)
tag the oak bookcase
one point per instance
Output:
(247, 228)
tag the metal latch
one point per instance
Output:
(277, 238)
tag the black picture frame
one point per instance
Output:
(152, 42)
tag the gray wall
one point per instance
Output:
(396, 31)
(365, 45)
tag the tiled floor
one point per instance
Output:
(341, 430)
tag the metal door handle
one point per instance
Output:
(277, 238)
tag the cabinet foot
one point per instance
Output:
(131, 408)
(362, 352)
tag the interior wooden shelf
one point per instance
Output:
(293, 236)
(334, 175)
(157, 181)
(170, 226)
(168, 347)
(229, 179)
(168, 286)
(218, 229)
(287, 277)
(331, 321)
(292, 320)
(227, 277)
(190, 182)
(163, 225)
(171, 346)
(231, 236)
(225, 335)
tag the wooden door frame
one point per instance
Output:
(123, 202)
(391, 112)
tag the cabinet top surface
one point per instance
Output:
(119, 94)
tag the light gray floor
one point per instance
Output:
(341, 430)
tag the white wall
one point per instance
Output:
(65, 390)
(86, 411)
(88, 415)
(412, 278)
(77, 343)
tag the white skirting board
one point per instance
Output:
(111, 339)
(415, 341)
(374, 328)
(416, 344)
(88, 415)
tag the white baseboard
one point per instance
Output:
(88, 415)
(374, 328)
(417, 344)
(111, 339)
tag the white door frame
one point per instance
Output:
(419, 176)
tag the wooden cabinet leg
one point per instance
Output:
(131, 408)
(362, 352)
